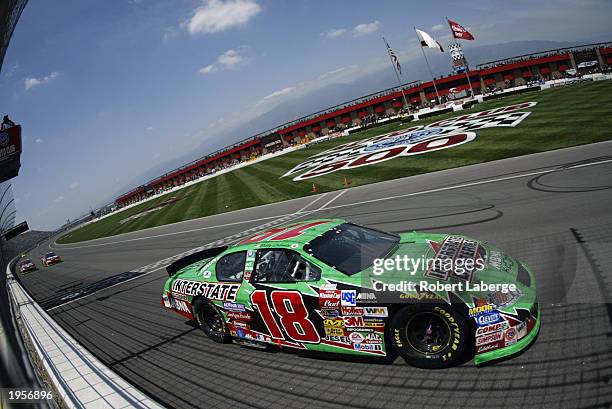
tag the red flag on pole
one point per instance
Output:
(459, 31)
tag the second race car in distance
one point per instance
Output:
(333, 286)
(50, 258)
(26, 266)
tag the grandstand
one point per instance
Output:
(488, 78)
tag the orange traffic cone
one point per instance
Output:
(314, 188)
(346, 182)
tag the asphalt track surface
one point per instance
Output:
(552, 210)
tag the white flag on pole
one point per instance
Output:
(428, 41)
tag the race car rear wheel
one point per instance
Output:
(430, 335)
(210, 320)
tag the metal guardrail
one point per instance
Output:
(17, 370)
(75, 377)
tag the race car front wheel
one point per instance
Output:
(430, 335)
(211, 321)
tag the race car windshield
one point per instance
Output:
(351, 248)
(50, 255)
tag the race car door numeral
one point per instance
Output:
(292, 314)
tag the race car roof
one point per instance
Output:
(298, 232)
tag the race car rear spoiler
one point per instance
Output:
(193, 258)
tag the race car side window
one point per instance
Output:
(283, 266)
(231, 267)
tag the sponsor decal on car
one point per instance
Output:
(373, 338)
(376, 312)
(339, 339)
(500, 299)
(180, 305)
(356, 337)
(212, 291)
(240, 324)
(366, 297)
(416, 140)
(333, 331)
(240, 316)
(180, 296)
(348, 298)
(456, 257)
(329, 298)
(421, 296)
(489, 318)
(510, 335)
(495, 259)
(480, 309)
(353, 322)
(521, 330)
(329, 313)
(367, 347)
(489, 347)
(356, 311)
(488, 338)
(233, 306)
(487, 329)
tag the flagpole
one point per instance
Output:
(467, 75)
(399, 81)
(428, 67)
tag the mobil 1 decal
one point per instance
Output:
(416, 140)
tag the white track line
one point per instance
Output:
(169, 234)
(464, 185)
(325, 206)
(332, 200)
(243, 234)
(313, 202)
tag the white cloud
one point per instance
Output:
(9, 73)
(217, 15)
(330, 73)
(32, 82)
(228, 59)
(170, 32)
(208, 69)
(279, 93)
(38, 140)
(437, 27)
(366, 28)
(74, 185)
(334, 32)
(59, 199)
(150, 129)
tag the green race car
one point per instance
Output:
(333, 286)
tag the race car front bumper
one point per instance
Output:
(519, 346)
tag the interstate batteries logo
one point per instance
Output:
(407, 142)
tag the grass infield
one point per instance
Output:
(567, 116)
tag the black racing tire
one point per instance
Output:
(430, 336)
(210, 320)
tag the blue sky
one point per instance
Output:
(105, 90)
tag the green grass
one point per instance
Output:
(567, 116)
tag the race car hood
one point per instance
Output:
(414, 260)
